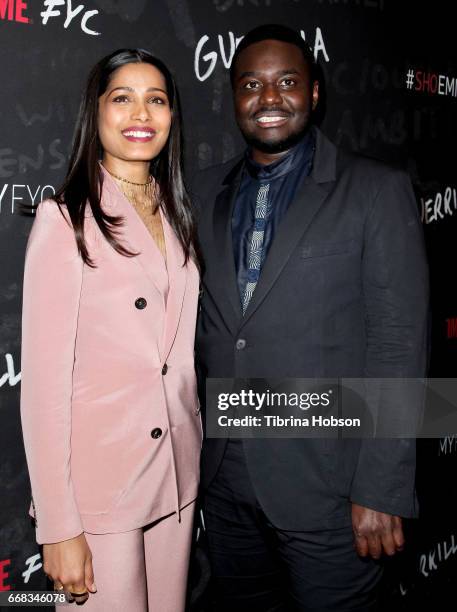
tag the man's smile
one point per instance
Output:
(271, 119)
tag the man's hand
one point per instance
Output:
(376, 532)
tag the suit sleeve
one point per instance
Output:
(396, 298)
(51, 296)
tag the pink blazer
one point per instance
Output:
(109, 408)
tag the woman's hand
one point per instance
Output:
(69, 565)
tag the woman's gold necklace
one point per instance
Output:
(143, 196)
(119, 178)
(139, 194)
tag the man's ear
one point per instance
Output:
(315, 94)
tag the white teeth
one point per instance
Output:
(138, 134)
(269, 119)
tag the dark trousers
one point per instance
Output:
(259, 568)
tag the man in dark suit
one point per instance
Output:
(315, 267)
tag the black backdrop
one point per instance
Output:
(366, 50)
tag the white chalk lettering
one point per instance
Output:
(428, 561)
(439, 206)
(52, 10)
(448, 445)
(33, 564)
(10, 375)
(205, 60)
(25, 194)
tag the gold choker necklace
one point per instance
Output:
(119, 178)
(141, 195)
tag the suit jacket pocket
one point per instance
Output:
(324, 249)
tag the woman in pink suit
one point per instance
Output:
(109, 408)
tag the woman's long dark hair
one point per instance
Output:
(83, 182)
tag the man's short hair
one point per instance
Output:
(274, 31)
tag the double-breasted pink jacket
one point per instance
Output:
(109, 407)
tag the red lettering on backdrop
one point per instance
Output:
(452, 327)
(4, 574)
(4, 5)
(426, 81)
(13, 10)
(21, 6)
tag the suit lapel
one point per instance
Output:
(177, 278)
(303, 208)
(227, 285)
(170, 279)
(135, 235)
(295, 223)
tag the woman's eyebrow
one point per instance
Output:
(132, 89)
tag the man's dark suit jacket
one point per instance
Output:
(343, 293)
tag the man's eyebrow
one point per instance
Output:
(253, 73)
(248, 73)
(124, 88)
(288, 71)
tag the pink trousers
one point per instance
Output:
(144, 570)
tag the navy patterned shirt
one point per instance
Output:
(262, 201)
